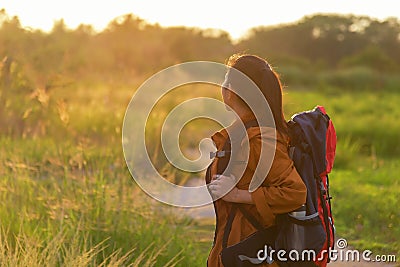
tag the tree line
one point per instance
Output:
(130, 46)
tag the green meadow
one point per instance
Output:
(68, 199)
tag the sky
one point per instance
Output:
(235, 17)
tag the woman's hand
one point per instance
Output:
(223, 187)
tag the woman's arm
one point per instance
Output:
(238, 196)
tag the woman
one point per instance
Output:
(282, 189)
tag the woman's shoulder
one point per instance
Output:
(254, 135)
(219, 138)
(268, 133)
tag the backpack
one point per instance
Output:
(312, 149)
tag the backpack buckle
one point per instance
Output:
(218, 154)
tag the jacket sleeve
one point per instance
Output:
(283, 189)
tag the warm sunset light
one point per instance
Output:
(212, 133)
(233, 17)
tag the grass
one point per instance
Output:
(365, 206)
(63, 209)
(68, 199)
(363, 119)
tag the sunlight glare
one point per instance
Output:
(233, 17)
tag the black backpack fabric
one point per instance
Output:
(312, 148)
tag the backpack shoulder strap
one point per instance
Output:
(224, 156)
(232, 214)
(228, 226)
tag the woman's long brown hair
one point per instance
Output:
(267, 80)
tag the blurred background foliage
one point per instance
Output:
(347, 52)
(63, 94)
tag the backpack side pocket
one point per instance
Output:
(305, 235)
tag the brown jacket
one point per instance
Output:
(282, 190)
